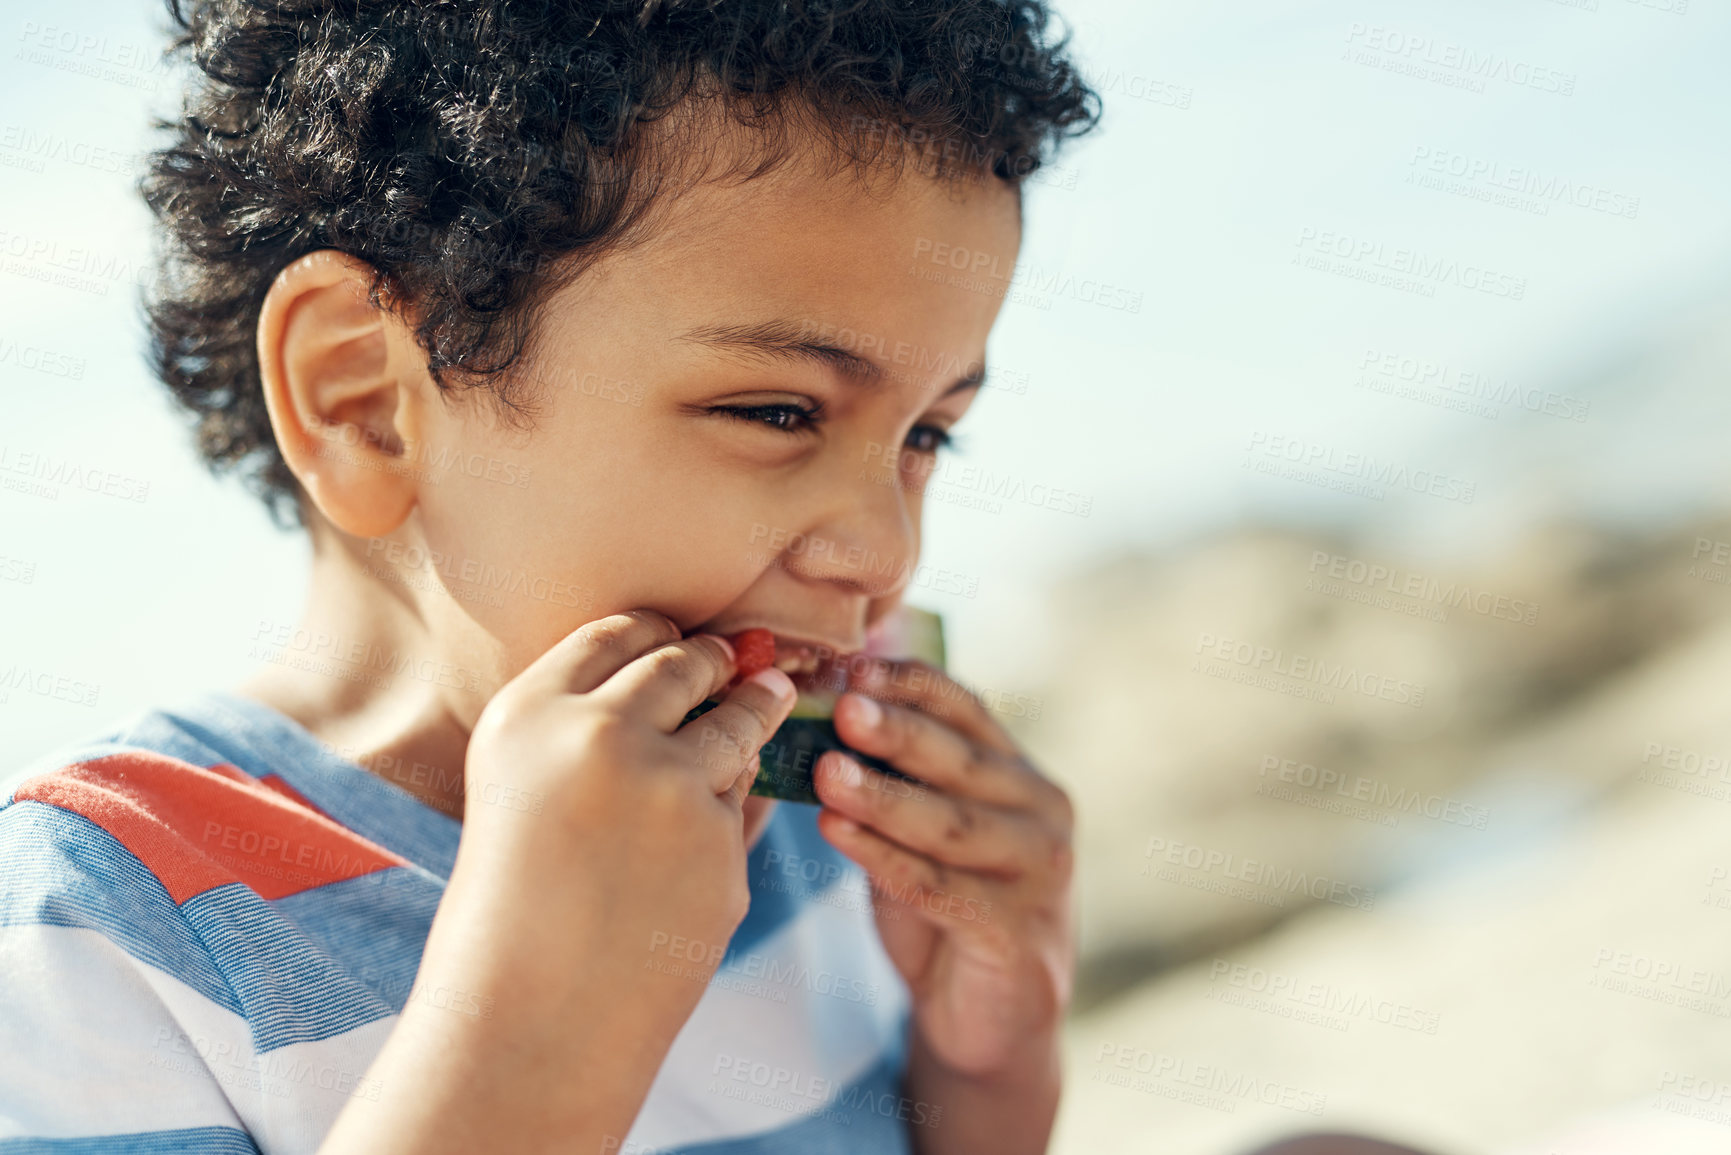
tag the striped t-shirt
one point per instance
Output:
(209, 923)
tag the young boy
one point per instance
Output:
(579, 337)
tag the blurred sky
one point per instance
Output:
(1236, 139)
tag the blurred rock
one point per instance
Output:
(1267, 722)
(1581, 972)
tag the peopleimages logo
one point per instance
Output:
(1350, 471)
(1374, 578)
(1407, 266)
(1350, 788)
(1545, 188)
(923, 363)
(474, 572)
(46, 684)
(1227, 866)
(41, 146)
(37, 359)
(1336, 1003)
(45, 473)
(1658, 979)
(78, 267)
(1380, 369)
(1231, 1086)
(987, 272)
(891, 571)
(1302, 669)
(946, 480)
(1427, 58)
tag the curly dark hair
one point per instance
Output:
(477, 155)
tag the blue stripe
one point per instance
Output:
(792, 866)
(870, 1116)
(375, 925)
(194, 1140)
(58, 868)
(290, 991)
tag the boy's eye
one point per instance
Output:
(929, 438)
(791, 418)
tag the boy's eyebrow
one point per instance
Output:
(794, 340)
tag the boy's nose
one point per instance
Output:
(868, 542)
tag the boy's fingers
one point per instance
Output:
(726, 740)
(942, 826)
(663, 685)
(944, 895)
(595, 651)
(925, 687)
(913, 741)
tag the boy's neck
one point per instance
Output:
(402, 728)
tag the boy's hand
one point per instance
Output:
(640, 833)
(971, 874)
(597, 831)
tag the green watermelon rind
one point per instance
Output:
(786, 761)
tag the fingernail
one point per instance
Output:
(850, 773)
(726, 646)
(776, 682)
(870, 714)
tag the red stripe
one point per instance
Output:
(196, 828)
(276, 782)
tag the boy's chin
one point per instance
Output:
(757, 814)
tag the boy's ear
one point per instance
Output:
(342, 383)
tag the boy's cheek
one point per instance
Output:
(524, 565)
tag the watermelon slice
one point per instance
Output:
(786, 762)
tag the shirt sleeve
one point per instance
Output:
(93, 1058)
(138, 958)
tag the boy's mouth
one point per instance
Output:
(800, 659)
(812, 665)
